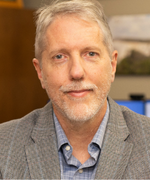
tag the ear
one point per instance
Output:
(38, 69)
(114, 64)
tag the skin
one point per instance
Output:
(77, 73)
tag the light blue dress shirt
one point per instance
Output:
(70, 167)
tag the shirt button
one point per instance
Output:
(67, 148)
(80, 171)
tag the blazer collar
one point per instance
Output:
(116, 150)
(44, 124)
(42, 152)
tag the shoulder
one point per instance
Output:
(133, 117)
(17, 128)
(20, 129)
(136, 123)
(128, 114)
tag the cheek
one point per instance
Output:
(54, 79)
(100, 74)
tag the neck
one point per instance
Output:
(80, 134)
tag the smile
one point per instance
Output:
(79, 93)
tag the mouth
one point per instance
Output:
(79, 93)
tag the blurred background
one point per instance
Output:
(21, 91)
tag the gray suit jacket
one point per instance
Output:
(28, 146)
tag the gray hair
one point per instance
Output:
(89, 10)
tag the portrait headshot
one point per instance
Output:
(81, 132)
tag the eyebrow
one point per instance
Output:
(92, 48)
(57, 51)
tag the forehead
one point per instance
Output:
(71, 30)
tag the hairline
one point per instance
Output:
(40, 43)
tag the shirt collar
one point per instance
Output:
(61, 136)
(98, 137)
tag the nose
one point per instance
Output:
(76, 69)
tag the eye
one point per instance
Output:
(59, 56)
(91, 54)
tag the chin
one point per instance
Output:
(81, 109)
(81, 112)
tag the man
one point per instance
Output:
(81, 133)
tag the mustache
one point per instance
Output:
(78, 86)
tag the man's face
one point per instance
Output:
(76, 69)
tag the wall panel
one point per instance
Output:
(20, 90)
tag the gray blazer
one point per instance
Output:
(28, 146)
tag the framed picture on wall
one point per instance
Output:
(131, 35)
(11, 3)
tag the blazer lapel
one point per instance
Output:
(116, 150)
(41, 151)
